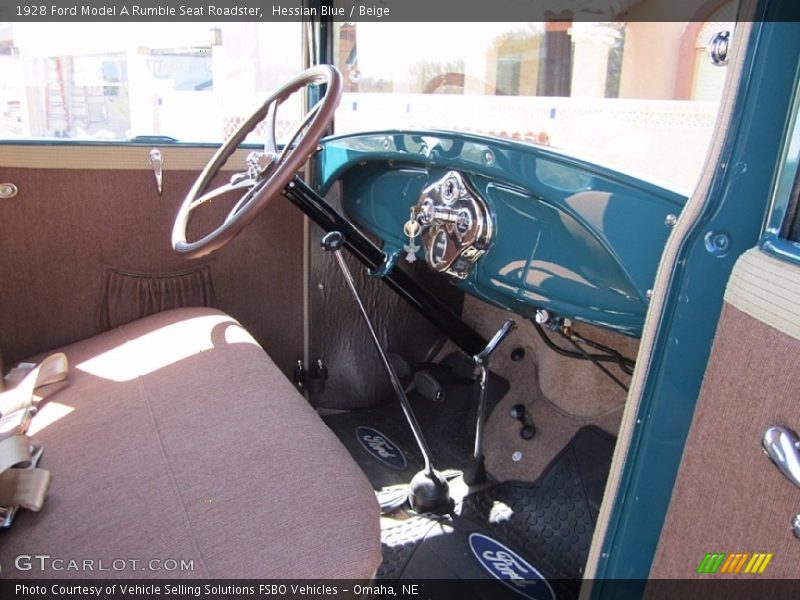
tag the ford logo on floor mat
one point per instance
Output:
(381, 448)
(510, 568)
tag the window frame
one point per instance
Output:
(308, 29)
(783, 215)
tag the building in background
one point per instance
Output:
(639, 96)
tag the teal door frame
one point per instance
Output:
(738, 203)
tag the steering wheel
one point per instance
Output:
(268, 172)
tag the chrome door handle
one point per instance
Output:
(157, 162)
(782, 446)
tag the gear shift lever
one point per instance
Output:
(428, 490)
(475, 472)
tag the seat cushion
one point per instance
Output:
(176, 438)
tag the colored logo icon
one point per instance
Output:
(734, 563)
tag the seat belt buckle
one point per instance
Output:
(7, 514)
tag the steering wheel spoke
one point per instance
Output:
(240, 184)
(270, 144)
(300, 131)
(268, 172)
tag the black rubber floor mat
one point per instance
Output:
(381, 441)
(547, 526)
(552, 519)
(398, 545)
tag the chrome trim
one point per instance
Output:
(718, 48)
(782, 447)
(8, 190)
(451, 206)
(795, 525)
(157, 163)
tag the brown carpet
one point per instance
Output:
(561, 394)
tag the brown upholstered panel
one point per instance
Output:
(131, 296)
(67, 227)
(728, 496)
(338, 335)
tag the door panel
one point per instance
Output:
(728, 497)
(85, 212)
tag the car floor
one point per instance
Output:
(551, 486)
(561, 395)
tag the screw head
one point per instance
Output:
(718, 243)
(795, 523)
(516, 456)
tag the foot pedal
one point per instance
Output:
(428, 386)
(431, 384)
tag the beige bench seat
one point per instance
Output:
(176, 438)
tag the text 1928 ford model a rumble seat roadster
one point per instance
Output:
(458, 350)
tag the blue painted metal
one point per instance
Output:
(580, 240)
(737, 204)
(391, 256)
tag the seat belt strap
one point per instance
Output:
(19, 451)
(24, 488)
(22, 484)
(24, 380)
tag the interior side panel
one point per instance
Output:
(82, 250)
(356, 377)
(728, 497)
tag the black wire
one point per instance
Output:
(626, 365)
(594, 360)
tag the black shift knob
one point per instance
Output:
(333, 241)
